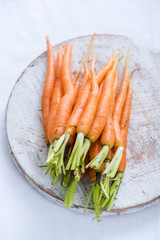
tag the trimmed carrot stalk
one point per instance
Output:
(48, 87)
(95, 177)
(113, 166)
(56, 95)
(71, 190)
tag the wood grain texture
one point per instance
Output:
(140, 186)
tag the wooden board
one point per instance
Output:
(141, 183)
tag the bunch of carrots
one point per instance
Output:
(86, 123)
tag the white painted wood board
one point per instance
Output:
(141, 183)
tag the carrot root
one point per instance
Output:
(111, 170)
(97, 161)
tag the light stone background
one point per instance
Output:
(24, 213)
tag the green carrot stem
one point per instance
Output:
(113, 190)
(97, 209)
(67, 178)
(97, 161)
(86, 146)
(76, 152)
(106, 188)
(115, 162)
(55, 179)
(70, 194)
(41, 166)
(51, 151)
(89, 198)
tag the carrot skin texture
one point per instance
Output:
(56, 96)
(120, 103)
(103, 105)
(48, 87)
(108, 134)
(83, 95)
(124, 124)
(100, 75)
(78, 109)
(68, 100)
(90, 109)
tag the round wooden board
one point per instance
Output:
(140, 185)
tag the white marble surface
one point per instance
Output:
(24, 213)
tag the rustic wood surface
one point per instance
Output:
(140, 186)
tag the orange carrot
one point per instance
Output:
(68, 100)
(119, 104)
(56, 96)
(108, 134)
(76, 113)
(111, 170)
(124, 124)
(85, 123)
(103, 105)
(90, 109)
(78, 76)
(82, 98)
(77, 83)
(48, 87)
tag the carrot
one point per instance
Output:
(81, 101)
(67, 102)
(102, 109)
(103, 105)
(48, 87)
(56, 95)
(78, 76)
(82, 98)
(108, 134)
(76, 113)
(113, 166)
(124, 124)
(64, 108)
(85, 121)
(77, 83)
